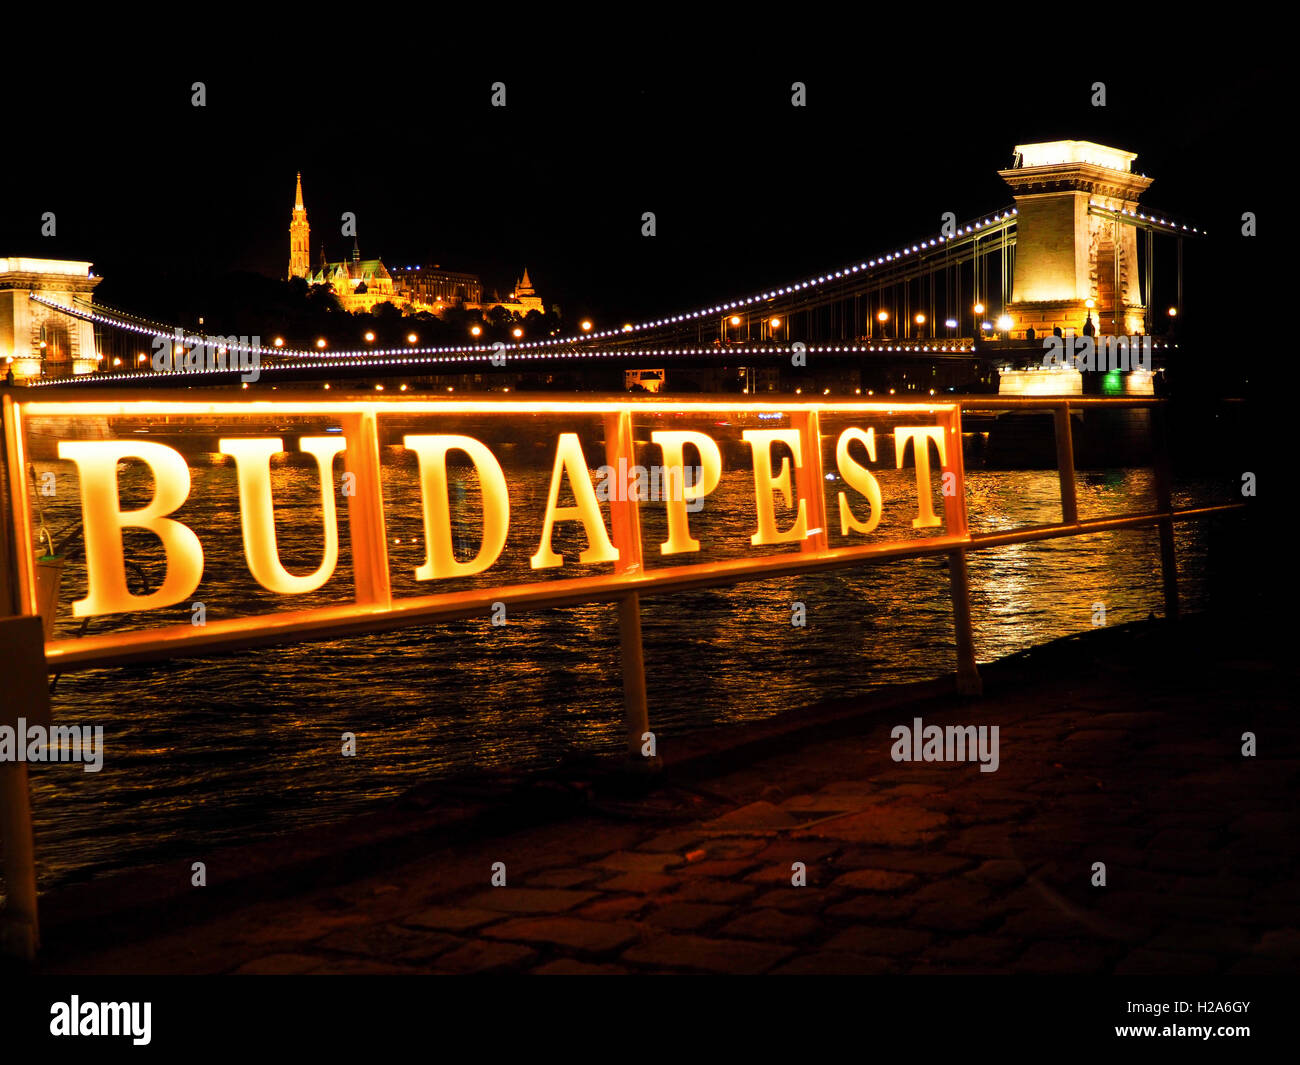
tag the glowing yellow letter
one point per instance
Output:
(569, 459)
(439, 559)
(925, 518)
(859, 478)
(676, 494)
(765, 484)
(103, 520)
(257, 509)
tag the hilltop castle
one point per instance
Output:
(361, 284)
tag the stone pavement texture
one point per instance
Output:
(1124, 749)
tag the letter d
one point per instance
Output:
(440, 561)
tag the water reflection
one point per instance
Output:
(202, 753)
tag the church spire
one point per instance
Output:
(299, 237)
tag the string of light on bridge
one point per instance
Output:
(479, 351)
(410, 360)
(798, 286)
(1174, 226)
(156, 329)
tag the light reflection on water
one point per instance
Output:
(201, 753)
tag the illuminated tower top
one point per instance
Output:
(1073, 259)
(299, 237)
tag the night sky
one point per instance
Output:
(748, 190)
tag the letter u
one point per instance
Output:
(257, 509)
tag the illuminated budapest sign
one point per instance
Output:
(451, 506)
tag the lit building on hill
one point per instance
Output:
(434, 289)
(360, 284)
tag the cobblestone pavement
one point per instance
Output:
(1127, 752)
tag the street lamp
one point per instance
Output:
(920, 321)
(586, 326)
(1005, 322)
(882, 317)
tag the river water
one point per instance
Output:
(205, 752)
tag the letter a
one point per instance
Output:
(902, 749)
(570, 460)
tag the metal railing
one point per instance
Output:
(376, 610)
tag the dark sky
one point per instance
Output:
(748, 190)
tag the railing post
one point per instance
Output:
(626, 522)
(1164, 504)
(27, 696)
(808, 479)
(636, 709)
(1065, 464)
(22, 664)
(20, 930)
(366, 510)
(968, 677)
(954, 506)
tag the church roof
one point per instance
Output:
(364, 270)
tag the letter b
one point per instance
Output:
(103, 520)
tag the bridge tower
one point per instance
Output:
(1067, 254)
(35, 340)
